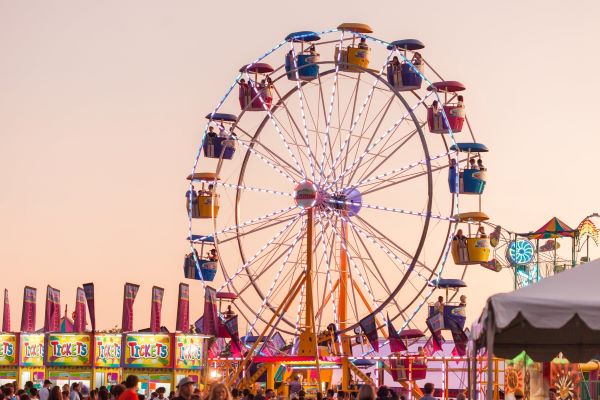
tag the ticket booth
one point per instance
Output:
(8, 358)
(150, 357)
(31, 359)
(68, 358)
(191, 357)
(107, 359)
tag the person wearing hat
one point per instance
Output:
(185, 388)
(44, 392)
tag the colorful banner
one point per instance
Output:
(6, 314)
(32, 348)
(68, 350)
(188, 351)
(369, 328)
(396, 343)
(183, 309)
(211, 320)
(129, 294)
(231, 325)
(29, 305)
(147, 351)
(80, 314)
(88, 289)
(107, 350)
(52, 317)
(155, 308)
(8, 350)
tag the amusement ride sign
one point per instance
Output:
(68, 350)
(147, 351)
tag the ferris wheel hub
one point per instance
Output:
(306, 194)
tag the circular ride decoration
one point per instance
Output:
(520, 252)
(333, 179)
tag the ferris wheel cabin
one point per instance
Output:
(256, 95)
(453, 116)
(471, 179)
(222, 145)
(471, 248)
(412, 368)
(196, 267)
(353, 54)
(405, 76)
(301, 65)
(207, 199)
(452, 314)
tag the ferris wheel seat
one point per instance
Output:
(254, 98)
(437, 123)
(305, 63)
(204, 270)
(476, 251)
(206, 208)
(404, 369)
(215, 147)
(472, 181)
(405, 79)
(354, 56)
(454, 314)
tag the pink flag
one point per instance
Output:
(369, 328)
(211, 319)
(80, 314)
(396, 343)
(52, 317)
(183, 309)
(88, 289)
(29, 305)
(157, 298)
(6, 315)
(232, 328)
(129, 293)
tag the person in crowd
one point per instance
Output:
(116, 391)
(363, 44)
(438, 120)
(171, 394)
(480, 165)
(141, 396)
(153, 396)
(269, 393)
(383, 393)
(472, 164)
(396, 72)
(160, 392)
(235, 394)
(24, 396)
(211, 132)
(330, 394)
(185, 388)
(463, 301)
(459, 110)
(75, 392)
(481, 232)
(28, 386)
(428, 391)
(34, 393)
(302, 395)
(65, 395)
(103, 394)
(294, 387)
(131, 388)
(213, 255)
(230, 314)
(519, 394)
(44, 392)
(417, 60)
(552, 393)
(366, 392)
(439, 305)
(259, 392)
(55, 393)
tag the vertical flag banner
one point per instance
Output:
(6, 314)
(396, 343)
(183, 309)
(129, 294)
(369, 328)
(52, 317)
(29, 305)
(88, 289)
(80, 315)
(157, 298)
(232, 328)
(211, 319)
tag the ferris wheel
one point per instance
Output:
(327, 184)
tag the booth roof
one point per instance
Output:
(555, 228)
(560, 313)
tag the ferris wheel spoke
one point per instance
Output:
(356, 163)
(286, 170)
(401, 211)
(266, 301)
(354, 121)
(257, 228)
(260, 251)
(254, 189)
(256, 220)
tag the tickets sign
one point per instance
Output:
(107, 351)
(147, 351)
(189, 351)
(32, 350)
(8, 350)
(68, 350)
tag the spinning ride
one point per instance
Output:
(325, 197)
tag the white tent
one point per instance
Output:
(558, 314)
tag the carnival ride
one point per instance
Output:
(326, 204)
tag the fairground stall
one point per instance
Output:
(190, 357)
(68, 358)
(31, 359)
(8, 358)
(107, 359)
(150, 357)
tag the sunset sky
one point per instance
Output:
(102, 105)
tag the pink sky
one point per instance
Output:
(102, 105)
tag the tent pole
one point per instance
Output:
(490, 354)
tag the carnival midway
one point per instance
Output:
(335, 209)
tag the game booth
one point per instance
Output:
(31, 359)
(107, 359)
(8, 358)
(68, 358)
